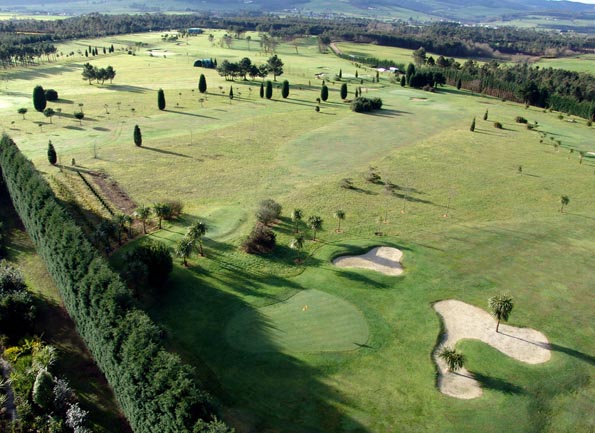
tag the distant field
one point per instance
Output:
(469, 222)
(581, 63)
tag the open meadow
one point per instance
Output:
(303, 347)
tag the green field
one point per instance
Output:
(503, 233)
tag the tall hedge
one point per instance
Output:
(154, 388)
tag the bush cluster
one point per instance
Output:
(17, 306)
(155, 390)
(261, 240)
(268, 211)
(362, 104)
(520, 119)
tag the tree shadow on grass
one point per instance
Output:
(589, 359)
(165, 152)
(125, 88)
(190, 114)
(280, 391)
(497, 384)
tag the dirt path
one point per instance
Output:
(464, 321)
(385, 260)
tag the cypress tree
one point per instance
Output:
(485, 116)
(459, 84)
(356, 74)
(230, 92)
(52, 156)
(324, 93)
(403, 81)
(356, 93)
(344, 91)
(269, 90)
(262, 90)
(161, 100)
(39, 100)
(341, 75)
(202, 84)
(285, 89)
(138, 136)
(410, 72)
(472, 128)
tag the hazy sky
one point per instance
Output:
(591, 2)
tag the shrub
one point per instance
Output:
(51, 95)
(175, 208)
(520, 119)
(261, 240)
(268, 211)
(346, 183)
(157, 260)
(362, 104)
(372, 175)
(43, 390)
(11, 279)
(497, 125)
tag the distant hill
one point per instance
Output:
(418, 10)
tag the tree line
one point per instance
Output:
(156, 391)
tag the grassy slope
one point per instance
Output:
(503, 233)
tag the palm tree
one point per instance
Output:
(161, 210)
(184, 249)
(142, 214)
(340, 215)
(315, 223)
(297, 244)
(564, 200)
(119, 221)
(195, 232)
(501, 306)
(454, 360)
(296, 217)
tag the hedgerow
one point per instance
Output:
(156, 391)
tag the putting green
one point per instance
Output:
(310, 321)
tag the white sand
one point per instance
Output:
(462, 321)
(380, 259)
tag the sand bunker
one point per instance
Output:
(380, 259)
(463, 321)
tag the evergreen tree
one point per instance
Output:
(202, 84)
(138, 136)
(39, 100)
(161, 100)
(52, 156)
(285, 89)
(410, 72)
(344, 91)
(262, 90)
(459, 84)
(403, 81)
(341, 75)
(485, 115)
(269, 90)
(472, 127)
(324, 92)
(230, 93)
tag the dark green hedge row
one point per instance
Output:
(155, 389)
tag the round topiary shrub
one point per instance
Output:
(497, 125)
(51, 95)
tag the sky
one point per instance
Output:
(591, 2)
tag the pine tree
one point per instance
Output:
(202, 84)
(138, 136)
(230, 93)
(285, 89)
(39, 100)
(52, 156)
(344, 91)
(161, 100)
(324, 93)
(472, 128)
(269, 90)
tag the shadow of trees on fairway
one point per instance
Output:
(497, 384)
(280, 391)
(589, 359)
(165, 152)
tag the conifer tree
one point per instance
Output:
(324, 92)
(262, 90)
(202, 84)
(161, 100)
(472, 127)
(52, 156)
(39, 100)
(344, 91)
(285, 89)
(269, 90)
(138, 136)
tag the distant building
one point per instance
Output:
(194, 31)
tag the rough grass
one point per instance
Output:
(502, 232)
